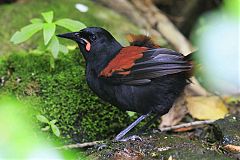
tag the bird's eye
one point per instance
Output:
(93, 37)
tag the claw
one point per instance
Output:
(133, 138)
(101, 146)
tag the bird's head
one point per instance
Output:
(95, 43)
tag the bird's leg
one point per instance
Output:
(131, 126)
(141, 130)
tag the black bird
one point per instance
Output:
(141, 77)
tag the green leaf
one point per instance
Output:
(53, 121)
(26, 32)
(63, 49)
(36, 20)
(43, 119)
(45, 128)
(71, 47)
(54, 46)
(52, 63)
(48, 32)
(55, 130)
(48, 16)
(70, 24)
(130, 113)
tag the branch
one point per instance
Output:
(127, 9)
(186, 125)
(79, 145)
(161, 22)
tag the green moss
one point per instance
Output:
(61, 94)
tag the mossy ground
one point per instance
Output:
(158, 146)
(61, 94)
(206, 143)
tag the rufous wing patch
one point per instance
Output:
(123, 61)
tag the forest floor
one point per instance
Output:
(220, 140)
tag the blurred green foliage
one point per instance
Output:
(19, 138)
(17, 15)
(232, 7)
(216, 36)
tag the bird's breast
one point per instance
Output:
(118, 95)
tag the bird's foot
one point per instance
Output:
(133, 138)
(101, 146)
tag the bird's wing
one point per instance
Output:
(139, 65)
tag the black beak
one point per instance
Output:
(71, 35)
(74, 36)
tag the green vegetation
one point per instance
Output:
(50, 124)
(17, 15)
(51, 41)
(20, 140)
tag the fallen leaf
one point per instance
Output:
(176, 113)
(170, 158)
(232, 148)
(204, 108)
(183, 129)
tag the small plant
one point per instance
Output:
(51, 42)
(51, 124)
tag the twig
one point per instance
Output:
(176, 113)
(79, 145)
(195, 89)
(186, 125)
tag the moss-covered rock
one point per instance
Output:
(61, 94)
(227, 130)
